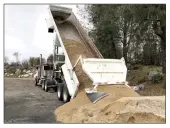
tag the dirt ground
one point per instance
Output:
(25, 103)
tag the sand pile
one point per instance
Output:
(66, 113)
(124, 110)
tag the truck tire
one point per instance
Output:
(60, 92)
(40, 82)
(46, 88)
(54, 82)
(43, 85)
(66, 96)
(55, 89)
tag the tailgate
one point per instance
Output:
(105, 71)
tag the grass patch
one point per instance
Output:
(138, 76)
(153, 90)
(151, 68)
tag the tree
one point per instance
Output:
(158, 20)
(116, 26)
(50, 59)
(33, 61)
(155, 16)
(36, 60)
(16, 55)
(25, 64)
(106, 33)
(131, 23)
(127, 26)
(6, 60)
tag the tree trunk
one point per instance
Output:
(163, 46)
(125, 49)
(163, 59)
(114, 50)
(125, 41)
(125, 53)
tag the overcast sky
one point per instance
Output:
(26, 30)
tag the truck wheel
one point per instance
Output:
(66, 95)
(60, 92)
(54, 82)
(46, 86)
(55, 89)
(41, 82)
(43, 85)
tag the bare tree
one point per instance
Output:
(16, 55)
(50, 59)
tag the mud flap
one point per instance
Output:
(96, 96)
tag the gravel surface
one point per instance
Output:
(26, 103)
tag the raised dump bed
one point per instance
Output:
(74, 42)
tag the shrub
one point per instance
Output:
(11, 70)
(156, 79)
(25, 64)
(136, 67)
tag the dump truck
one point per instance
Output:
(78, 50)
(43, 75)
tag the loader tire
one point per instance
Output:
(60, 92)
(66, 96)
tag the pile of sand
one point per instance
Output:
(124, 110)
(65, 112)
